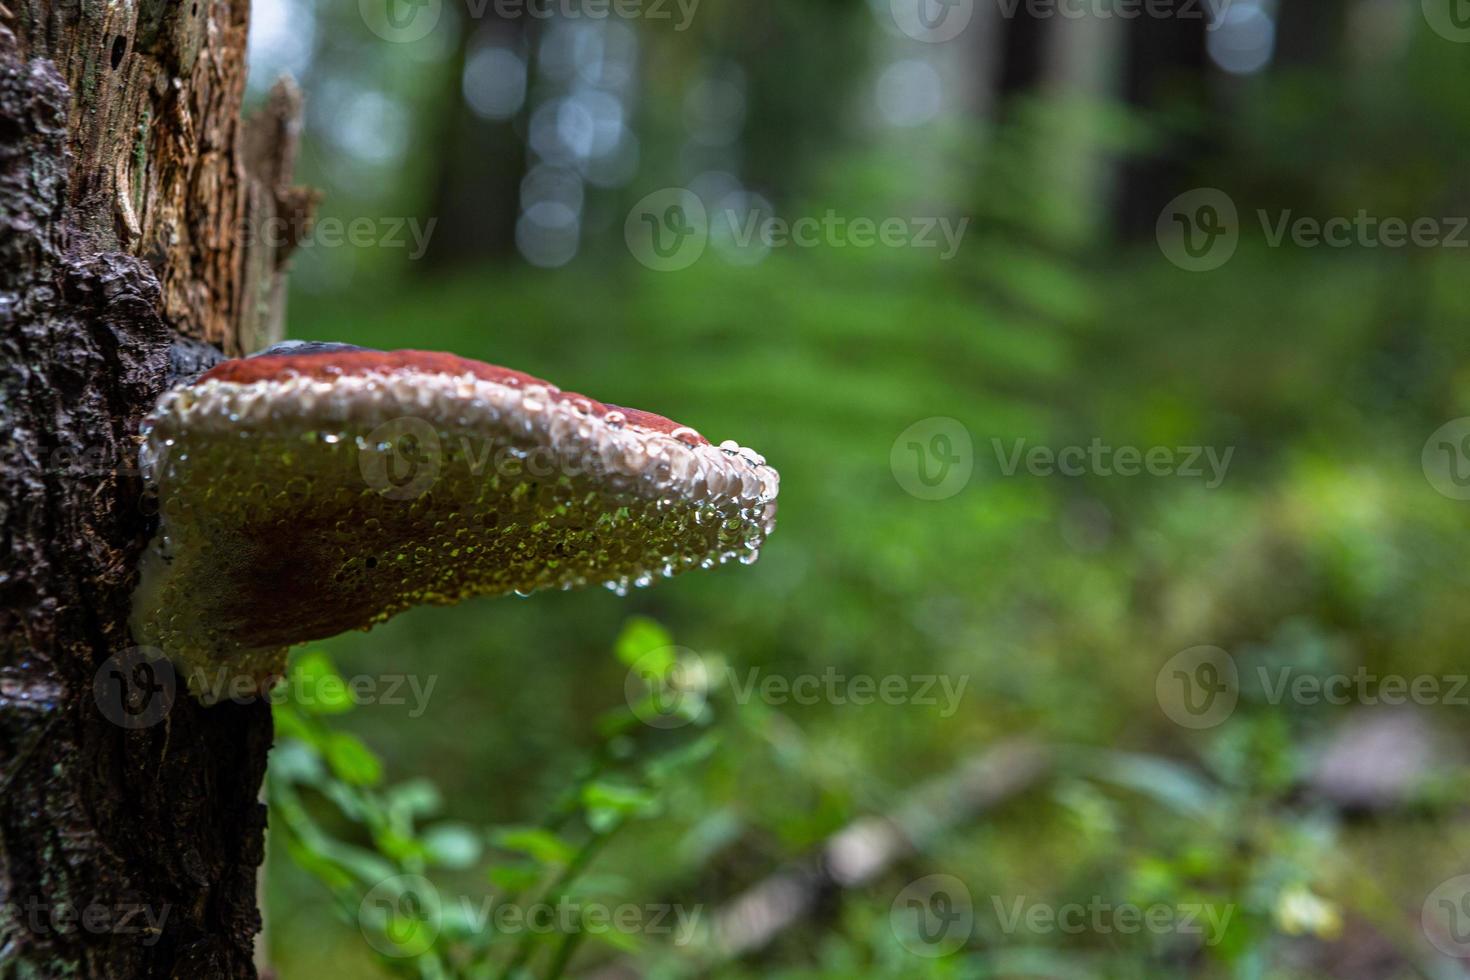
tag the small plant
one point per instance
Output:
(529, 921)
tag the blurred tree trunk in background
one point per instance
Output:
(1024, 57)
(795, 64)
(1309, 33)
(481, 161)
(130, 825)
(1166, 75)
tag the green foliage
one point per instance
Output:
(1059, 598)
(373, 845)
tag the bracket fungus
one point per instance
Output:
(317, 488)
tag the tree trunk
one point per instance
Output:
(1309, 33)
(1167, 74)
(1023, 57)
(481, 163)
(135, 245)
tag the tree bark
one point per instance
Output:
(135, 245)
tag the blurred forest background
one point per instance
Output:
(1327, 549)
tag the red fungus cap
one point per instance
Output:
(309, 492)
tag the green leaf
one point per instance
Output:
(352, 761)
(349, 799)
(617, 721)
(669, 763)
(452, 845)
(294, 762)
(627, 942)
(608, 804)
(412, 936)
(317, 865)
(317, 687)
(400, 847)
(415, 798)
(290, 724)
(367, 865)
(642, 636)
(517, 876)
(536, 843)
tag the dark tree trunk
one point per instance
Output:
(478, 190)
(1167, 76)
(1023, 57)
(1309, 32)
(132, 203)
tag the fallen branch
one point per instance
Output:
(861, 852)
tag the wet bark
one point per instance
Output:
(134, 245)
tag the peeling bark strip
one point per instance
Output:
(130, 830)
(162, 167)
